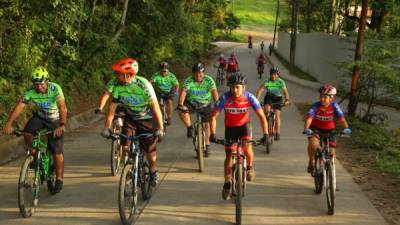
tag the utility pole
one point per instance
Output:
(293, 32)
(276, 24)
(352, 107)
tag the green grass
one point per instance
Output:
(257, 13)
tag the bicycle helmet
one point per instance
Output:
(198, 67)
(237, 78)
(232, 55)
(164, 66)
(274, 70)
(327, 89)
(126, 66)
(39, 74)
(221, 56)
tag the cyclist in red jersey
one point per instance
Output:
(236, 104)
(320, 119)
(233, 65)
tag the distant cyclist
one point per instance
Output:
(233, 65)
(197, 92)
(222, 62)
(276, 92)
(236, 104)
(50, 113)
(166, 86)
(260, 63)
(250, 41)
(321, 120)
(143, 113)
(262, 46)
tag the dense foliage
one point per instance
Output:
(78, 40)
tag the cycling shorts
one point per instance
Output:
(240, 132)
(332, 137)
(205, 112)
(136, 127)
(164, 96)
(272, 99)
(37, 123)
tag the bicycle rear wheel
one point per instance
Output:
(28, 185)
(200, 145)
(319, 175)
(239, 193)
(330, 188)
(128, 194)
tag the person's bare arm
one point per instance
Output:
(13, 116)
(263, 121)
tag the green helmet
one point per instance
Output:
(39, 74)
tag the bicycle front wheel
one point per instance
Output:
(318, 175)
(28, 186)
(239, 193)
(115, 157)
(128, 194)
(145, 186)
(200, 145)
(330, 188)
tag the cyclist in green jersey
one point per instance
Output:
(275, 88)
(50, 113)
(165, 85)
(137, 97)
(196, 93)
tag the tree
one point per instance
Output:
(232, 22)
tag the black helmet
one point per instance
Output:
(274, 70)
(164, 66)
(198, 67)
(237, 78)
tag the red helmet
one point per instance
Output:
(327, 89)
(126, 66)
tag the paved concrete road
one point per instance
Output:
(281, 194)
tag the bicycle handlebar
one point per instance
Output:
(18, 132)
(131, 138)
(238, 141)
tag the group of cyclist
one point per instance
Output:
(137, 98)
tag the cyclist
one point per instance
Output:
(275, 87)
(271, 48)
(250, 41)
(320, 119)
(233, 65)
(165, 85)
(260, 61)
(262, 46)
(196, 93)
(222, 62)
(137, 96)
(50, 113)
(236, 104)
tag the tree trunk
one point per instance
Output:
(347, 6)
(276, 24)
(308, 25)
(293, 32)
(352, 107)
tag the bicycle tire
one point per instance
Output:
(115, 157)
(200, 146)
(51, 178)
(239, 193)
(145, 186)
(27, 207)
(318, 176)
(330, 188)
(127, 191)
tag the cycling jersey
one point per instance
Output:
(260, 61)
(45, 103)
(324, 118)
(274, 87)
(222, 62)
(199, 93)
(111, 84)
(237, 109)
(232, 65)
(136, 97)
(164, 84)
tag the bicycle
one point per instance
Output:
(35, 169)
(239, 173)
(135, 175)
(260, 69)
(199, 141)
(163, 108)
(324, 172)
(271, 118)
